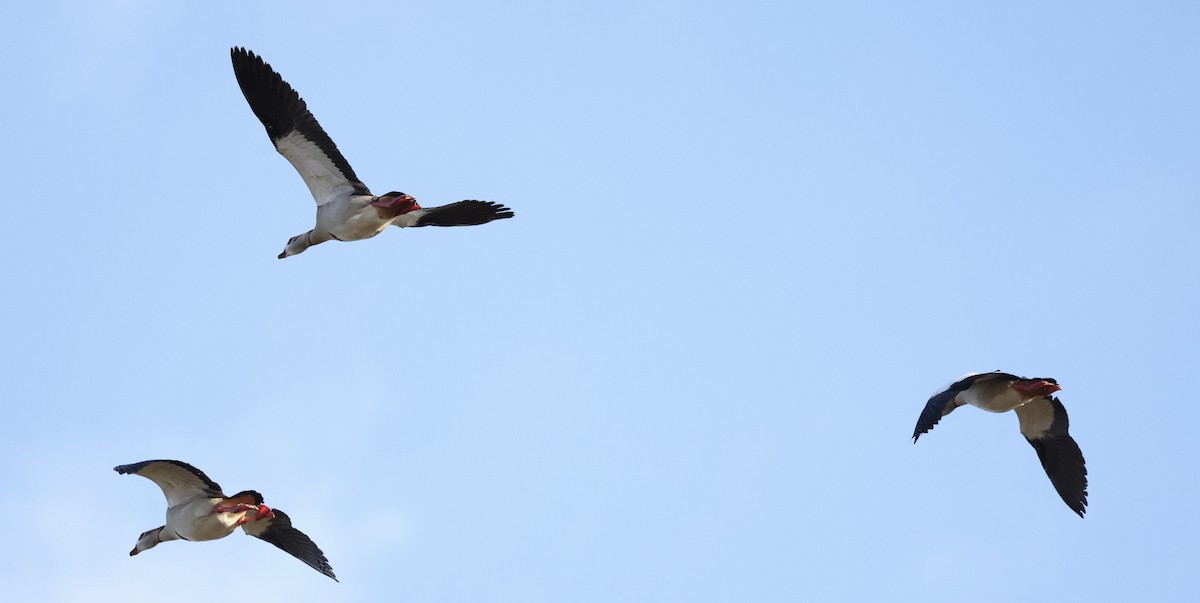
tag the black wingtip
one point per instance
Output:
(1079, 507)
(273, 101)
(926, 422)
(471, 212)
(918, 431)
(132, 468)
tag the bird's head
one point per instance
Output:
(148, 540)
(295, 245)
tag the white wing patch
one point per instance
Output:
(178, 484)
(1036, 417)
(324, 180)
(410, 218)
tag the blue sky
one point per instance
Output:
(751, 240)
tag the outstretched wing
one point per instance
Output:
(940, 404)
(294, 131)
(279, 532)
(1044, 423)
(462, 213)
(179, 481)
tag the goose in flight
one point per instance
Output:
(346, 209)
(198, 510)
(1042, 418)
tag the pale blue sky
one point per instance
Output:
(751, 240)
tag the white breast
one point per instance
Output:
(194, 520)
(995, 395)
(351, 219)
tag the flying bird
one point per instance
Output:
(346, 209)
(1042, 418)
(198, 510)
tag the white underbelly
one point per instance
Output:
(999, 399)
(350, 221)
(198, 522)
